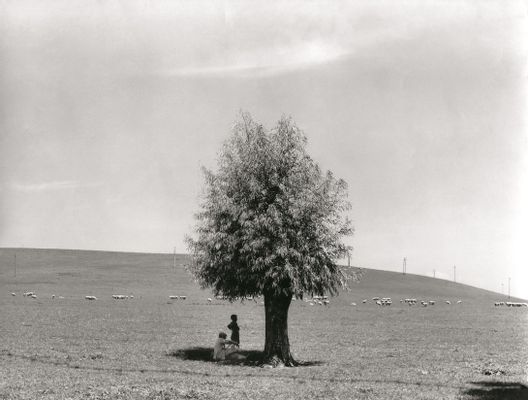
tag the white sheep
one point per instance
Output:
(512, 304)
(183, 297)
(209, 299)
(33, 296)
(386, 301)
(353, 304)
(90, 297)
(364, 301)
(173, 297)
(13, 294)
(447, 302)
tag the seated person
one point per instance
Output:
(226, 349)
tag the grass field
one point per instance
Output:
(145, 347)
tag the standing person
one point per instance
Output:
(233, 326)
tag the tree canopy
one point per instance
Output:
(270, 220)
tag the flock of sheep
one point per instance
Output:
(315, 300)
(387, 301)
(510, 304)
(33, 295)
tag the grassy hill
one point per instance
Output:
(145, 347)
(102, 273)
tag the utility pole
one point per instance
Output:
(348, 252)
(434, 273)
(454, 273)
(404, 265)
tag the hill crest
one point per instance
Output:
(135, 271)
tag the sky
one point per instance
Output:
(108, 111)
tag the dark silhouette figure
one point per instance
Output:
(233, 326)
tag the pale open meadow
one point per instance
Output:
(61, 346)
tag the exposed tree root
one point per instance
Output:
(276, 362)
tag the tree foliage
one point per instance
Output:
(270, 221)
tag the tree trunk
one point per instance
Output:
(277, 346)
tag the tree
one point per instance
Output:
(270, 224)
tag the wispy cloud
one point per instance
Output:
(51, 186)
(264, 40)
(268, 61)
